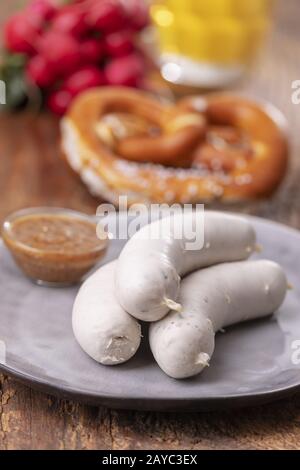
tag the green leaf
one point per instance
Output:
(12, 73)
(16, 92)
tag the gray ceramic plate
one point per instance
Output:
(253, 363)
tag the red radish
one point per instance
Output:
(118, 44)
(77, 44)
(59, 101)
(138, 13)
(125, 71)
(21, 34)
(70, 21)
(61, 51)
(106, 16)
(42, 9)
(91, 51)
(39, 72)
(86, 77)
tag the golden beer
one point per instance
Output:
(209, 42)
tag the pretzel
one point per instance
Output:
(140, 129)
(123, 142)
(244, 140)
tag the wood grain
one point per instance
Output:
(33, 173)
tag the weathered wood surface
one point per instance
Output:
(32, 173)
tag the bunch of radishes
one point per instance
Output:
(77, 45)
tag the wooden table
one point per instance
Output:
(32, 173)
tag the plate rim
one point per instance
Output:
(153, 403)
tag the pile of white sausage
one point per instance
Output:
(220, 287)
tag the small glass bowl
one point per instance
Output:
(50, 262)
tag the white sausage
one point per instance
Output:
(102, 328)
(149, 270)
(213, 298)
